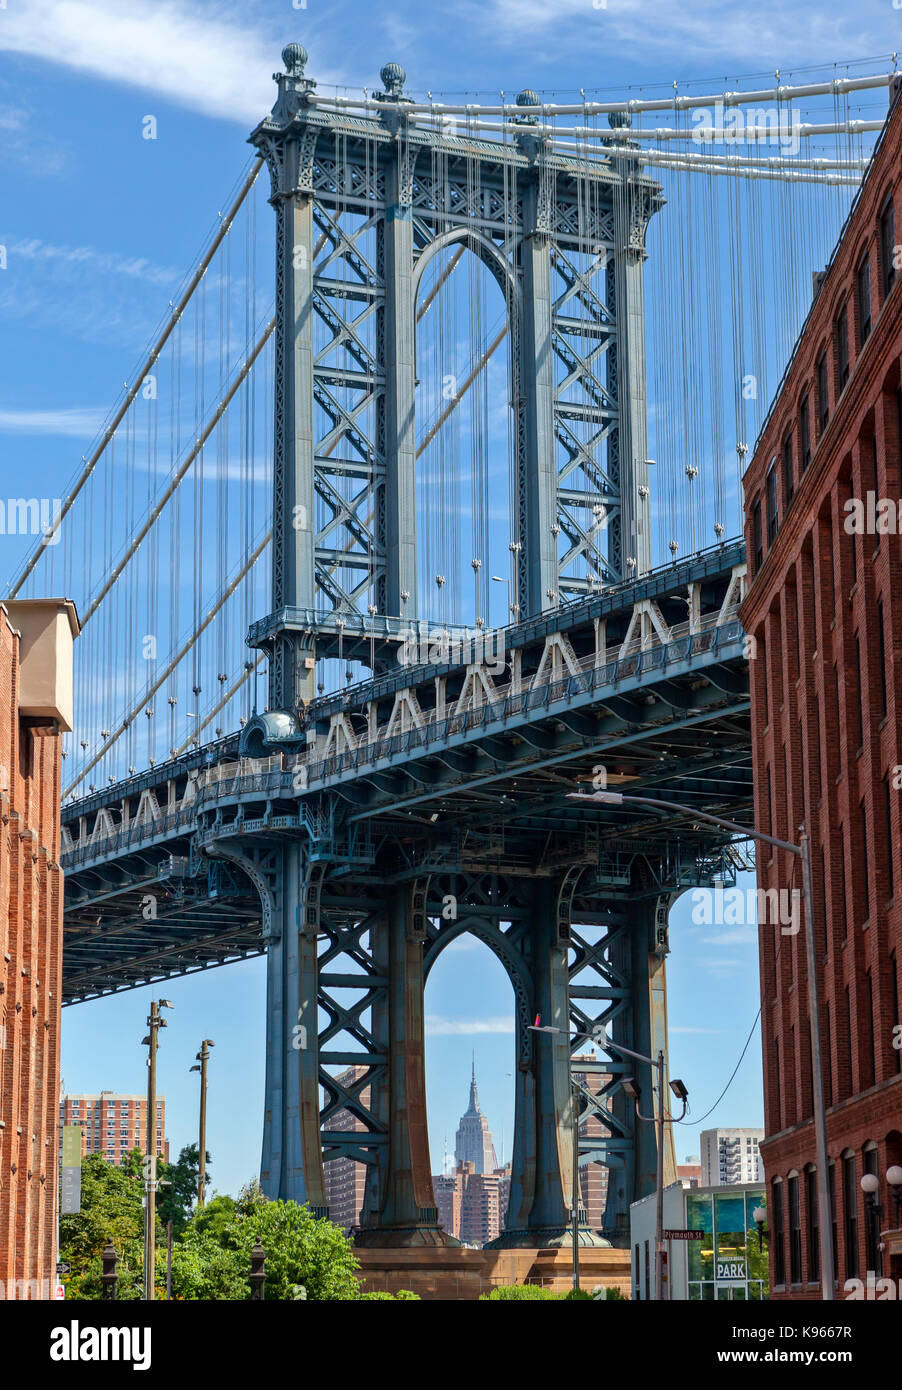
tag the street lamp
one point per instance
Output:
(154, 1023)
(803, 851)
(203, 1057)
(894, 1178)
(631, 1089)
(872, 1213)
(511, 608)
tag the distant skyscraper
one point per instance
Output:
(474, 1139)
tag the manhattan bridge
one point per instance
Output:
(375, 572)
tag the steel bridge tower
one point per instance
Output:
(359, 214)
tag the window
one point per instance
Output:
(804, 432)
(863, 813)
(795, 1231)
(894, 983)
(757, 544)
(873, 1035)
(841, 336)
(859, 704)
(814, 1254)
(770, 489)
(823, 395)
(776, 1234)
(863, 290)
(887, 247)
(788, 479)
(850, 1215)
(881, 653)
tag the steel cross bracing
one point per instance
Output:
(361, 210)
(442, 783)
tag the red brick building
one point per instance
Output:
(825, 610)
(35, 704)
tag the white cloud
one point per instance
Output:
(81, 257)
(80, 422)
(453, 1027)
(203, 58)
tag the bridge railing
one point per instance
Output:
(277, 775)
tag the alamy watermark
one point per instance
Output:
(441, 647)
(731, 907)
(31, 516)
(751, 125)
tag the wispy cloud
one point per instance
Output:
(88, 257)
(464, 1027)
(211, 59)
(79, 422)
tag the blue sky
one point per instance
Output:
(99, 225)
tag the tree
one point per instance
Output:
(178, 1189)
(300, 1250)
(111, 1210)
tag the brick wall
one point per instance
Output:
(825, 610)
(31, 903)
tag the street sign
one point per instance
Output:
(685, 1235)
(60, 1292)
(63, 1267)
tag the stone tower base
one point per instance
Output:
(462, 1274)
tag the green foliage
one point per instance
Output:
(576, 1294)
(757, 1255)
(299, 1250)
(110, 1210)
(178, 1189)
(211, 1248)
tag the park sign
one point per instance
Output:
(70, 1184)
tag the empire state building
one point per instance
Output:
(474, 1140)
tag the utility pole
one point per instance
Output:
(574, 1094)
(154, 1023)
(203, 1057)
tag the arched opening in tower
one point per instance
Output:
(470, 1060)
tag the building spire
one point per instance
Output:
(473, 1107)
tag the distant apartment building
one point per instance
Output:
(593, 1177)
(473, 1206)
(112, 1124)
(730, 1157)
(35, 706)
(345, 1179)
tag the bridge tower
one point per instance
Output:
(359, 213)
